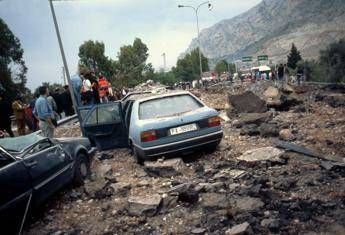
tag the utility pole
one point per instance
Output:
(64, 76)
(196, 10)
(164, 62)
(75, 104)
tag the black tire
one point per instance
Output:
(137, 157)
(82, 169)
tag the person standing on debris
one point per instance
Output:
(76, 85)
(286, 74)
(103, 89)
(280, 73)
(5, 115)
(53, 106)
(95, 87)
(44, 113)
(299, 74)
(86, 92)
(18, 108)
(66, 101)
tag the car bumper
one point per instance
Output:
(183, 146)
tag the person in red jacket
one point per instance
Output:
(103, 89)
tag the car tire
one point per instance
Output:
(137, 157)
(82, 169)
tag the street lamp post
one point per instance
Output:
(75, 104)
(196, 10)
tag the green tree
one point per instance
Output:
(188, 68)
(92, 57)
(12, 66)
(224, 66)
(166, 78)
(333, 60)
(293, 57)
(131, 65)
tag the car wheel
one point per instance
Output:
(82, 169)
(137, 157)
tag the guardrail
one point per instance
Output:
(67, 120)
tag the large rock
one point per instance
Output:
(214, 201)
(167, 168)
(252, 118)
(143, 205)
(245, 204)
(247, 102)
(286, 135)
(262, 154)
(272, 93)
(250, 129)
(121, 188)
(239, 229)
(98, 189)
(268, 130)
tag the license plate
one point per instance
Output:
(183, 129)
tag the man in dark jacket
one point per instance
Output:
(5, 115)
(66, 102)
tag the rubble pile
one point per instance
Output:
(252, 184)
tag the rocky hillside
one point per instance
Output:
(271, 27)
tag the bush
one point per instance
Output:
(333, 60)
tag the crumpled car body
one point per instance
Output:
(32, 168)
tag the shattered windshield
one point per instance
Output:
(18, 144)
(168, 106)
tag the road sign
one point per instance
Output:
(247, 58)
(262, 57)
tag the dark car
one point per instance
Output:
(32, 168)
(153, 125)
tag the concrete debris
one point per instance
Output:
(262, 154)
(286, 135)
(214, 201)
(240, 229)
(252, 118)
(143, 205)
(253, 184)
(247, 102)
(246, 204)
(165, 168)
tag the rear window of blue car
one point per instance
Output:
(168, 106)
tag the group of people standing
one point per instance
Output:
(27, 116)
(90, 89)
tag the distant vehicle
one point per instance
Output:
(32, 168)
(153, 125)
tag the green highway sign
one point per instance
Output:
(247, 59)
(262, 57)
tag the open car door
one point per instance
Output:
(103, 124)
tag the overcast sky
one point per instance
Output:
(159, 23)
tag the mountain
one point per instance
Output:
(272, 26)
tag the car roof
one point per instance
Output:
(141, 97)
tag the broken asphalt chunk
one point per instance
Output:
(143, 205)
(166, 168)
(262, 154)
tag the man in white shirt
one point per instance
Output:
(86, 92)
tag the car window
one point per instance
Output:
(104, 115)
(168, 106)
(17, 144)
(45, 144)
(5, 160)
